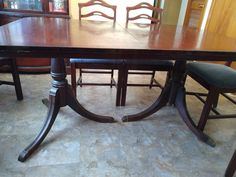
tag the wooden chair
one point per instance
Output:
(231, 166)
(217, 79)
(97, 12)
(94, 66)
(200, 95)
(141, 67)
(142, 15)
(10, 64)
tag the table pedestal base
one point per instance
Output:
(180, 104)
(61, 95)
(173, 93)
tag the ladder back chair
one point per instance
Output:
(94, 66)
(200, 95)
(141, 67)
(97, 12)
(10, 63)
(143, 5)
(218, 79)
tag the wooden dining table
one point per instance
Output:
(58, 38)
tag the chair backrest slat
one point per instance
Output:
(97, 12)
(143, 5)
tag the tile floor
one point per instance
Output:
(159, 146)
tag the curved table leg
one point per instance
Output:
(180, 104)
(174, 93)
(77, 107)
(61, 95)
(167, 95)
(51, 117)
(158, 104)
(66, 95)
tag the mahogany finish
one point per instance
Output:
(4, 19)
(70, 39)
(8, 15)
(98, 13)
(143, 5)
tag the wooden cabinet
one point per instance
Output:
(11, 10)
(23, 8)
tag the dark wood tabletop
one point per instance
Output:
(63, 38)
(71, 38)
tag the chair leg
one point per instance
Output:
(112, 75)
(152, 78)
(215, 102)
(119, 87)
(168, 78)
(207, 108)
(124, 86)
(73, 77)
(80, 77)
(16, 79)
(231, 167)
(184, 78)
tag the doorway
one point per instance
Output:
(195, 13)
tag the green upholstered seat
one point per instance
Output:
(216, 75)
